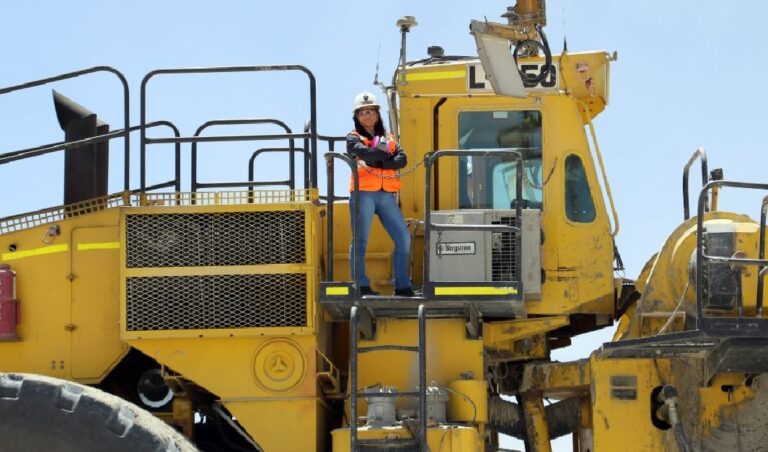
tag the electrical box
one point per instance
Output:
(479, 256)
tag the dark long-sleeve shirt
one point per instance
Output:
(375, 158)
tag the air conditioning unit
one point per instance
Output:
(479, 256)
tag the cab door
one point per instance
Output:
(96, 344)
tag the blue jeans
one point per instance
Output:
(384, 205)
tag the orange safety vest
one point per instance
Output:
(375, 179)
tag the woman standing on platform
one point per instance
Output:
(378, 157)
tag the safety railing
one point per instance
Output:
(699, 154)
(762, 269)
(311, 135)
(27, 220)
(64, 145)
(331, 142)
(431, 288)
(353, 289)
(27, 153)
(420, 394)
(470, 290)
(740, 325)
(291, 182)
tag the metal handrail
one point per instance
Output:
(429, 226)
(353, 338)
(353, 389)
(760, 282)
(761, 270)
(355, 269)
(698, 154)
(701, 257)
(291, 182)
(218, 122)
(177, 160)
(332, 140)
(311, 135)
(64, 145)
(126, 108)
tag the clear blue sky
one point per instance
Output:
(689, 74)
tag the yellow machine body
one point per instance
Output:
(68, 316)
(265, 376)
(667, 285)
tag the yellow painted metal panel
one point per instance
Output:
(632, 429)
(270, 269)
(536, 427)
(378, 256)
(229, 369)
(96, 344)
(45, 282)
(445, 337)
(217, 333)
(283, 425)
(468, 401)
(557, 380)
(496, 332)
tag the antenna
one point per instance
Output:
(405, 24)
(378, 58)
(565, 29)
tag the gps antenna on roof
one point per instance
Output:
(405, 24)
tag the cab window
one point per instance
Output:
(579, 206)
(491, 182)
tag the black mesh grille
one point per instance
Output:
(216, 301)
(503, 252)
(215, 239)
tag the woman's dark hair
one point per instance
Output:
(378, 128)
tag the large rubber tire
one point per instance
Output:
(40, 414)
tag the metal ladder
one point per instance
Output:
(355, 316)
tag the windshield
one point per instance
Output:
(490, 182)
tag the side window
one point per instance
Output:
(579, 206)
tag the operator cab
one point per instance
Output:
(504, 138)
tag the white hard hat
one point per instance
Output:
(365, 99)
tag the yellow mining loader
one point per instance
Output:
(229, 311)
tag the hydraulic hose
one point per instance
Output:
(507, 417)
(544, 46)
(669, 413)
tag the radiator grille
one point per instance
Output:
(503, 252)
(215, 239)
(216, 301)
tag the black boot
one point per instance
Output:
(405, 292)
(366, 290)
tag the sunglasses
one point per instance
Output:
(367, 112)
